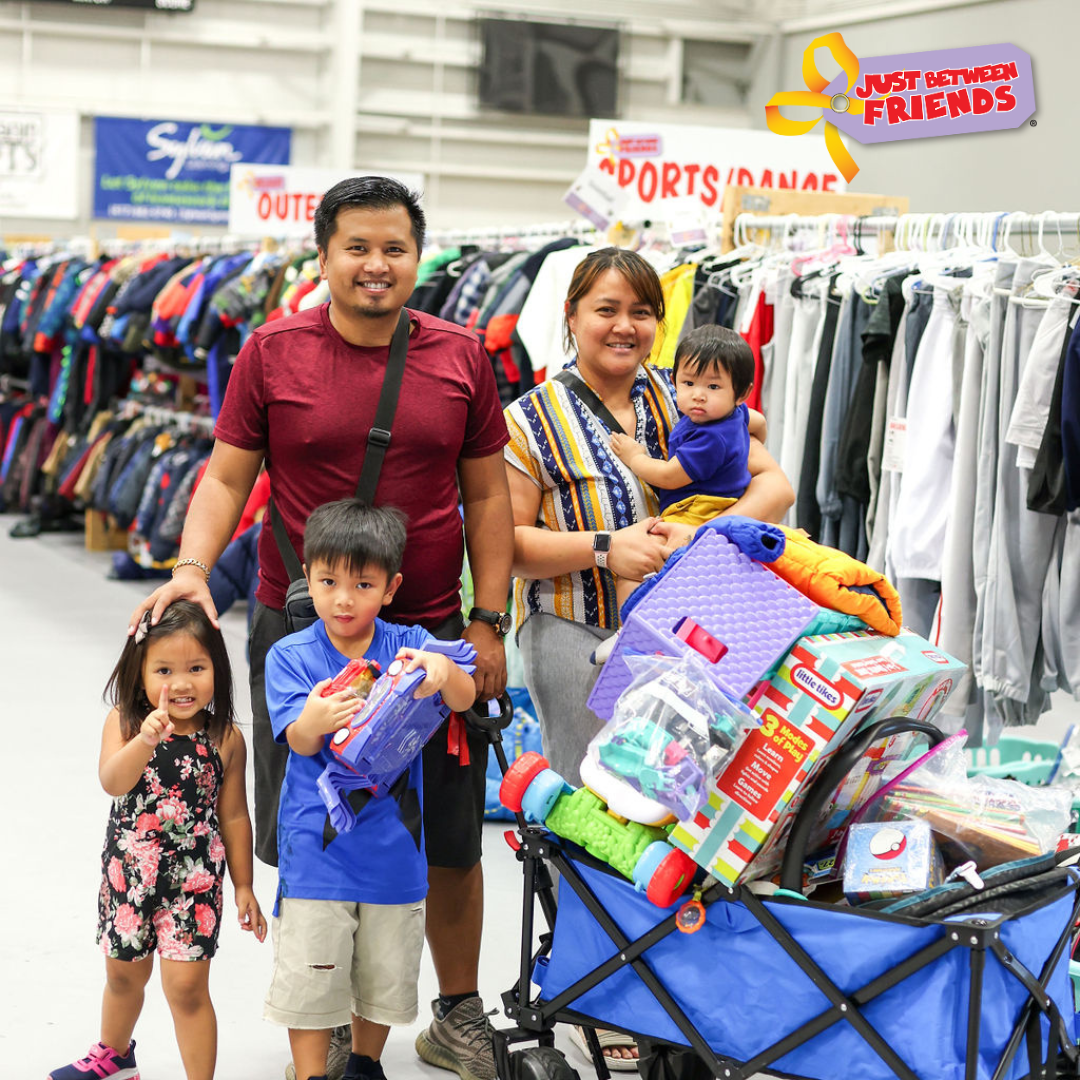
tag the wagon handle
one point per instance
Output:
(791, 871)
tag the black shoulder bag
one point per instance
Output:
(588, 397)
(299, 609)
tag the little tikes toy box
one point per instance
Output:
(828, 686)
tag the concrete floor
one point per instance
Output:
(62, 627)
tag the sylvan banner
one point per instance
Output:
(173, 170)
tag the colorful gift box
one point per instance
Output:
(828, 686)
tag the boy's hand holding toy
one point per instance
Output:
(158, 726)
(325, 715)
(438, 669)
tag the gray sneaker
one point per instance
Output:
(337, 1057)
(461, 1041)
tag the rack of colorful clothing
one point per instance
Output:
(78, 324)
(923, 402)
(509, 284)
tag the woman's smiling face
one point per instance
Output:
(613, 327)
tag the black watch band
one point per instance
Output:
(499, 621)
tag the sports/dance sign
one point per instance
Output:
(664, 169)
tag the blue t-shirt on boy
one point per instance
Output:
(381, 861)
(713, 455)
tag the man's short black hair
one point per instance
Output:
(717, 346)
(350, 531)
(367, 193)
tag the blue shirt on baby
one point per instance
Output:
(381, 860)
(713, 455)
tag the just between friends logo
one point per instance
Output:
(907, 95)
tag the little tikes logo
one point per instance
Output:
(816, 687)
(908, 95)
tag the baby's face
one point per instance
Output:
(705, 395)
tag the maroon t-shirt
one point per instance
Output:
(305, 396)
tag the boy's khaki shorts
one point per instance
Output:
(334, 959)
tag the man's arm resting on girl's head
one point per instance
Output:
(235, 827)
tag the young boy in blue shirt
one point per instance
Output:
(349, 923)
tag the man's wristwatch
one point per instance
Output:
(499, 621)
(601, 545)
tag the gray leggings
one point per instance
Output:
(559, 679)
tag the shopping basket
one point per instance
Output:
(958, 986)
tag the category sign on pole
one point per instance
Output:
(281, 200)
(662, 169)
(39, 164)
(173, 170)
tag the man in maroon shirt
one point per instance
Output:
(301, 398)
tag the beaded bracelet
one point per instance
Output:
(192, 562)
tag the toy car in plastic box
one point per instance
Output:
(388, 732)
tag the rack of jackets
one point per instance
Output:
(508, 286)
(922, 401)
(76, 330)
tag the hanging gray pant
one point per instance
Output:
(802, 356)
(956, 617)
(1020, 544)
(841, 525)
(1069, 619)
(559, 678)
(986, 469)
(772, 393)
(877, 516)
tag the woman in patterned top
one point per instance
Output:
(581, 516)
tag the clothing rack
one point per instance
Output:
(996, 230)
(163, 414)
(504, 234)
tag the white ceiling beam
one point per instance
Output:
(202, 35)
(872, 12)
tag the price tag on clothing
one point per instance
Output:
(892, 456)
(596, 196)
(687, 226)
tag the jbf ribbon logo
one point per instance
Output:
(908, 95)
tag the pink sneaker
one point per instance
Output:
(100, 1062)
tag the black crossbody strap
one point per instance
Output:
(588, 397)
(378, 441)
(379, 436)
(293, 567)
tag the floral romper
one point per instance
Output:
(164, 859)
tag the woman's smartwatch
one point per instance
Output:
(499, 621)
(601, 545)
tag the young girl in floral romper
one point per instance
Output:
(173, 761)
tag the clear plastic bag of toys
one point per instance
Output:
(674, 728)
(975, 817)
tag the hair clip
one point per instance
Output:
(143, 628)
